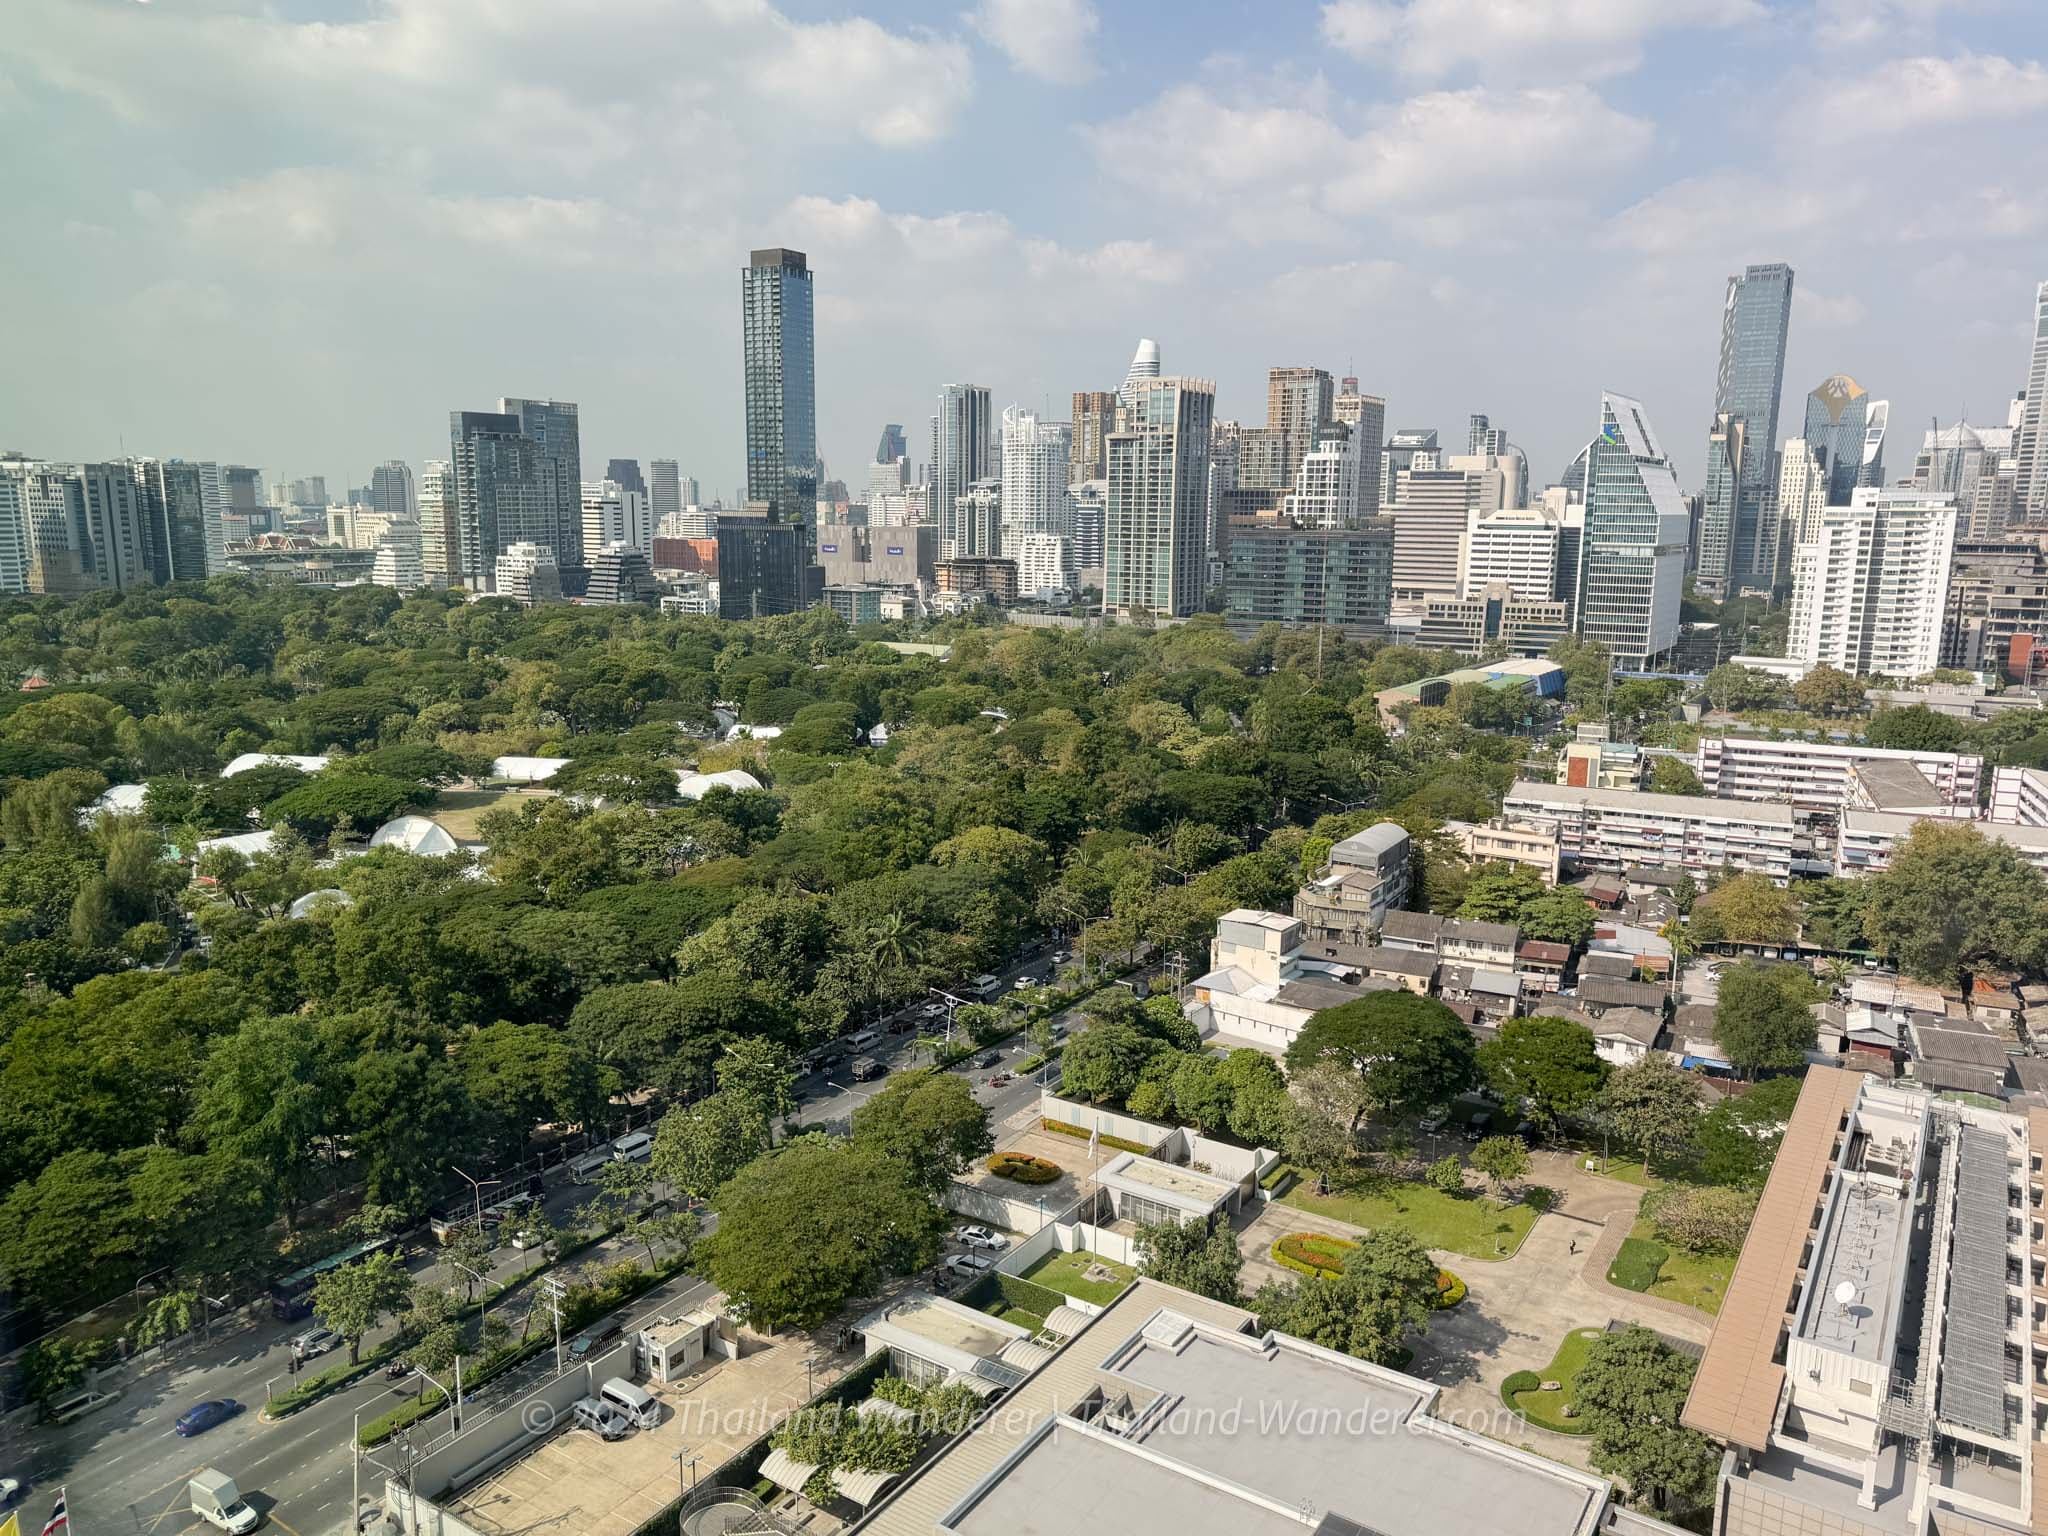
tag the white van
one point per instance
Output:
(863, 1040)
(590, 1167)
(635, 1402)
(633, 1147)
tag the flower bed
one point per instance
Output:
(1450, 1290)
(1313, 1253)
(1023, 1168)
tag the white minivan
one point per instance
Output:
(863, 1040)
(590, 1167)
(633, 1147)
(635, 1402)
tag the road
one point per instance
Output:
(126, 1468)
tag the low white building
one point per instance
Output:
(1045, 565)
(1819, 775)
(931, 1341)
(1265, 982)
(1144, 1189)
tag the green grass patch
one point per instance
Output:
(1029, 1321)
(1524, 1392)
(1657, 1269)
(1471, 1224)
(1067, 1273)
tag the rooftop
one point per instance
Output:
(1401, 962)
(1475, 932)
(1687, 807)
(1893, 785)
(1177, 1185)
(933, 1320)
(1418, 926)
(1381, 837)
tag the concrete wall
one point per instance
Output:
(1091, 1117)
(1011, 1214)
(487, 1442)
(1068, 1237)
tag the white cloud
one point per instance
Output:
(893, 88)
(1719, 216)
(1052, 39)
(1517, 40)
(1902, 97)
(1828, 311)
(1450, 162)
(1886, 23)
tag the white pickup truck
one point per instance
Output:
(217, 1501)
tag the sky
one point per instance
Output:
(297, 234)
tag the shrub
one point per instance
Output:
(1023, 1167)
(1121, 1144)
(1517, 1383)
(1705, 1218)
(1450, 1290)
(1313, 1253)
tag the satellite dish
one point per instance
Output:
(1845, 1293)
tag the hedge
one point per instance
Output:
(1023, 1167)
(1450, 1290)
(1029, 1294)
(1121, 1144)
(1518, 1382)
(1313, 1253)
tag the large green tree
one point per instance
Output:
(1763, 1018)
(928, 1121)
(1384, 1296)
(1198, 1256)
(1952, 899)
(1406, 1050)
(1547, 1065)
(1630, 1391)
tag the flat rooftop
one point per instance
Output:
(1641, 802)
(1861, 1252)
(1169, 1177)
(947, 1324)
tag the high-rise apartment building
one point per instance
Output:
(1156, 513)
(1144, 365)
(960, 456)
(1996, 615)
(185, 538)
(978, 522)
(1280, 572)
(1091, 508)
(1870, 586)
(1366, 416)
(397, 562)
(1837, 421)
(621, 573)
(778, 338)
(1327, 492)
(2030, 442)
(614, 514)
(119, 551)
(14, 527)
(391, 489)
(1298, 402)
(1756, 315)
(501, 496)
(664, 490)
(1632, 561)
(1036, 460)
(1045, 565)
(440, 525)
(1094, 417)
(1408, 448)
(558, 440)
(1430, 511)
(1802, 488)
(43, 527)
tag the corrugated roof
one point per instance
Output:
(1419, 926)
(1399, 962)
(1613, 992)
(1973, 1339)
(1969, 1046)
(1734, 1394)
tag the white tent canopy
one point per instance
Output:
(695, 786)
(327, 899)
(247, 844)
(527, 770)
(250, 760)
(785, 1471)
(120, 800)
(414, 834)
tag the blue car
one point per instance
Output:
(203, 1416)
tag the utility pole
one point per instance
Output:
(552, 1289)
(355, 1474)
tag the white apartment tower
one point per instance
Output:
(397, 562)
(1868, 588)
(1327, 484)
(1516, 547)
(1802, 490)
(1045, 564)
(1430, 512)
(612, 514)
(1036, 458)
(1366, 416)
(528, 574)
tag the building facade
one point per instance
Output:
(1327, 483)
(616, 514)
(1837, 424)
(960, 457)
(500, 499)
(1036, 464)
(1156, 511)
(2030, 441)
(1870, 587)
(1280, 573)
(1094, 416)
(1632, 561)
(1430, 512)
(1756, 317)
(779, 357)
(1516, 548)
(1611, 829)
(764, 565)
(557, 437)
(528, 574)
(1819, 776)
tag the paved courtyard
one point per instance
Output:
(1517, 1309)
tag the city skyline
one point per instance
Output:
(1422, 251)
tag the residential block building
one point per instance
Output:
(1817, 776)
(1365, 877)
(1279, 572)
(1870, 587)
(1609, 829)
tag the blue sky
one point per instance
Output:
(298, 234)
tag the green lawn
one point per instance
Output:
(1548, 1408)
(1031, 1322)
(459, 810)
(1646, 1265)
(1471, 1224)
(1066, 1273)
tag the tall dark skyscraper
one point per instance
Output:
(556, 433)
(894, 444)
(960, 456)
(779, 355)
(1755, 318)
(501, 498)
(1837, 411)
(625, 473)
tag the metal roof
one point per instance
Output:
(1973, 1336)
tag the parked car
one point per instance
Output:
(203, 1416)
(523, 1239)
(902, 1026)
(933, 1010)
(1528, 1132)
(1437, 1118)
(983, 1237)
(598, 1333)
(315, 1342)
(968, 1265)
(1480, 1128)
(990, 1059)
(605, 1420)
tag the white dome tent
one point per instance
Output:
(250, 760)
(415, 834)
(328, 899)
(695, 786)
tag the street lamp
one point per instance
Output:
(455, 1397)
(477, 1189)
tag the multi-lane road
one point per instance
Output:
(126, 1469)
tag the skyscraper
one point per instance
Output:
(1366, 415)
(1632, 561)
(1155, 519)
(1877, 419)
(763, 565)
(391, 489)
(978, 523)
(1144, 365)
(665, 489)
(1430, 512)
(500, 496)
(1326, 483)
(1755, 318)
(116, 528)
(893, 446)
(1298, 402)
(613, 514)
(556, 433)
(1869, 587)
(1094, 416)
(1037, 456)
(1837, 412)
(2030, 442)
(182, 524)
(625, 474)
(440, 527)
(960, 457)
(778, 340)
(1802, 489)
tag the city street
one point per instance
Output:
(126, 1467)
